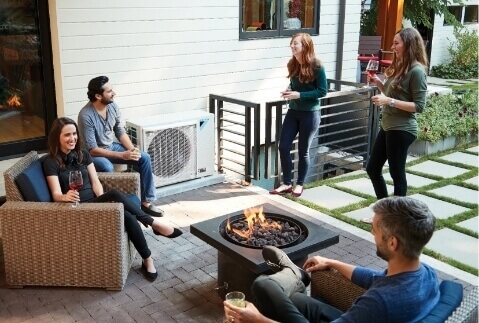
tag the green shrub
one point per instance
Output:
(448, 115)
(463, 57)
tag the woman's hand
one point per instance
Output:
(380, 99)
(71, 196)
(375, 80)
(290, 95)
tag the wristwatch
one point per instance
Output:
(392, 103)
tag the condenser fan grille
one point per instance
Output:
(173, 154)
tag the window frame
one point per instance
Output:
(279, 32)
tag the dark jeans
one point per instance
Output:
(279, 297)
(392, 146)
(306, 123)
(132, 214)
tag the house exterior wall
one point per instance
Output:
(168, 56)
(443, 37)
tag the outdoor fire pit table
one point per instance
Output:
(239, 265)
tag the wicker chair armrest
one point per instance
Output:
(128, 183)
(334, 288)
(467, 311)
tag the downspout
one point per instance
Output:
(340, 43)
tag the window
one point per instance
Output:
(456, 11)
(27, 98)
(276, 18)
(470, 14)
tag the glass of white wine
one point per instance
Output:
(236, 299)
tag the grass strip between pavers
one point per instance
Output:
(450, 223)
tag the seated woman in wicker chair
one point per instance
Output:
(65, 155)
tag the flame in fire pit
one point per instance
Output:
(253, 215)
(14, 101)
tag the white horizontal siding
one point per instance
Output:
(165, 56)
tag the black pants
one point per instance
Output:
(392, 146)
(132, 214)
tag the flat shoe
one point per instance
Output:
(152, 210)
(297, 194)
(148, 275)
(286, 191)
(176, 233)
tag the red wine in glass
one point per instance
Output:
(75, 182)
(372, 67)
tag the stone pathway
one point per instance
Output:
(447, 202)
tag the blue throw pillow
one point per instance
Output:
(451, 297)
(134, 199)
(32, 183)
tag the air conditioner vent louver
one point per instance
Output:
(180, 145)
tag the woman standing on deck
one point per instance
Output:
(307, 84)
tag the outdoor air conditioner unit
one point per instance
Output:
(181, 145)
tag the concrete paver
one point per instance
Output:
(474, 149)
(463, 158)
(438, 169)
(440, 209)
(471, 224)
(413, 180)
(361, 213)
(459, 246)
(473, 181)
(458, 193)
(362, 185)
(329, 197)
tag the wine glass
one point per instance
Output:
(372, 68)
(76, 182)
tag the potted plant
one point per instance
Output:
(294, 10)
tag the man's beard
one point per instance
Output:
(105, 101)
(381, 255)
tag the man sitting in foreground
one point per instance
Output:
(405, 292)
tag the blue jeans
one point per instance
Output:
(142, 166)
(280, 297)
(305, 123)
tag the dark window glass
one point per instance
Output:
(470, 14)
(275, 18)
(456, 11)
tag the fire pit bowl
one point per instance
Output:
(289, 233)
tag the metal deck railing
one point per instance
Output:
(349, 123)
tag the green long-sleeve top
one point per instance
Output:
(413, 89)
(309, 93)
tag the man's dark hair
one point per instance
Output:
(95, 86)
(407, 219)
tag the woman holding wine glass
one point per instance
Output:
(403, 94)
(65, 157)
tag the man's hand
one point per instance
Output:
(244, 314)
(131, 155)
(316, 263)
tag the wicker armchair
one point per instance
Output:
(54, 244)
(338, 291)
